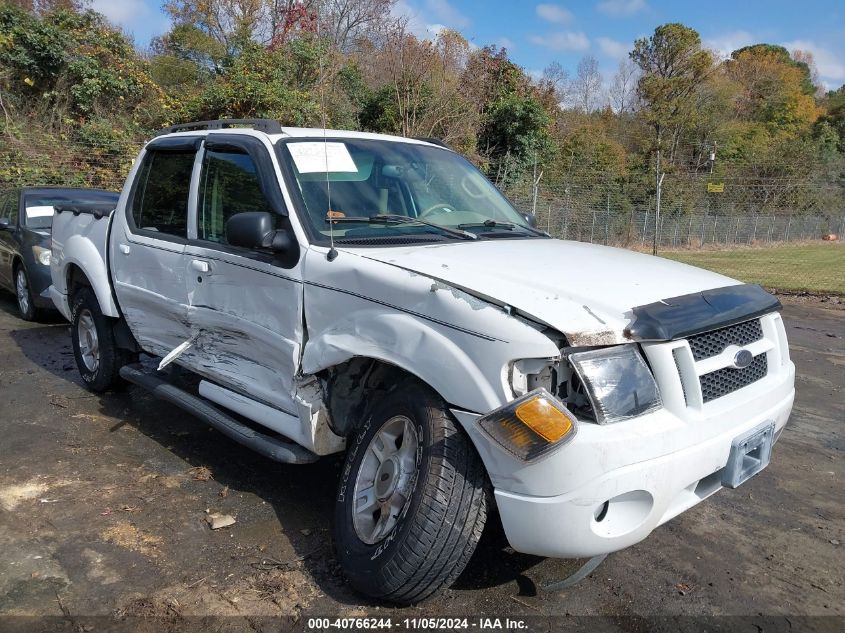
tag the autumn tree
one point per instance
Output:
(773, 88)
(585, 91)
(673, 66)
(622, 91)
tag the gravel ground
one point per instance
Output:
(104, 499)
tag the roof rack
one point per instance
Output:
(270, 126)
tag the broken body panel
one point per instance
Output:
(461, 316)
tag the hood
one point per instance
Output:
(585, 291)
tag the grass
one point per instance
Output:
(816, 268)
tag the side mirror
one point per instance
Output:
(4, 224)
(256, 229)
(531, 219)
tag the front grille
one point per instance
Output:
(727, 380)
(714, 343)
(676, 354)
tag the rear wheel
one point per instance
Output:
(412, 500)
(98, 357)
(26, 305)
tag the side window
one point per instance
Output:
(161, 196)
(228, 185)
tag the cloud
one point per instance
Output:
(621, 8)
(447, 14)
(725, 44)
(505, 42)
(562, 41)
(123, 13)
(612, 48)
(830, 65)
(427, 23)
(135, 17)
(554, 13)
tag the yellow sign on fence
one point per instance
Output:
(715, 187)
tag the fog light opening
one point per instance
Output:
(622, 514)
(601, 511)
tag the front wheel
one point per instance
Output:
(98, 357)
(412, 499)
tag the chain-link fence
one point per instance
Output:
(796, 248)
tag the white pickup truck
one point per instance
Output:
(327, 291)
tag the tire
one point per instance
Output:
(426, 540)
(23, 293)
(97, 356)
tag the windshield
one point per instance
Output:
(386, 192)
(41, 208)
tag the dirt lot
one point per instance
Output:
(103, 503)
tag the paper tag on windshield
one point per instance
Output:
(310, 157)
(39, 212)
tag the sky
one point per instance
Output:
(538, 33)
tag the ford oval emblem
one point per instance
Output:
(743, 359)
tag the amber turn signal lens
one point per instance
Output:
(541, 417)
(532, 426)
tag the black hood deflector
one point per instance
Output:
(690, 314)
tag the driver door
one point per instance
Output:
(245, 304)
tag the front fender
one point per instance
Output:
(402, 340)
(459, 345)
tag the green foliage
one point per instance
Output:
(280, 84)
(379, 112)
(673, 66)
(781, 55)
(78, 100)
(513, 133)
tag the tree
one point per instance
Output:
(622, 90)
(48, 6)
(773, 88)
(780, 54)
(513, 124)
(347, 22)
(586, 88)
(673, 66)
(419, 90)
(556, 79)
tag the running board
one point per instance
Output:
(271, 447)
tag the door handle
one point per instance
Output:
(200, 266)
(124, 248)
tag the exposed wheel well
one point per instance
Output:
(352, 385)
(76, 280)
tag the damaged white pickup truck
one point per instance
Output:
(325, 291)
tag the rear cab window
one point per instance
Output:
(160, 200)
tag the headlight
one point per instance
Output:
(42, 255)
(618, 382)
(531, 426)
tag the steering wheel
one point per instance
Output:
(440, 208)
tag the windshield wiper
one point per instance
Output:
(493, 224)
(402, 219)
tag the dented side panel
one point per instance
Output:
(247, 316)
(458, 344)
(149, 281)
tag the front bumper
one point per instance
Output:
(649, 470)
(39, 283)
